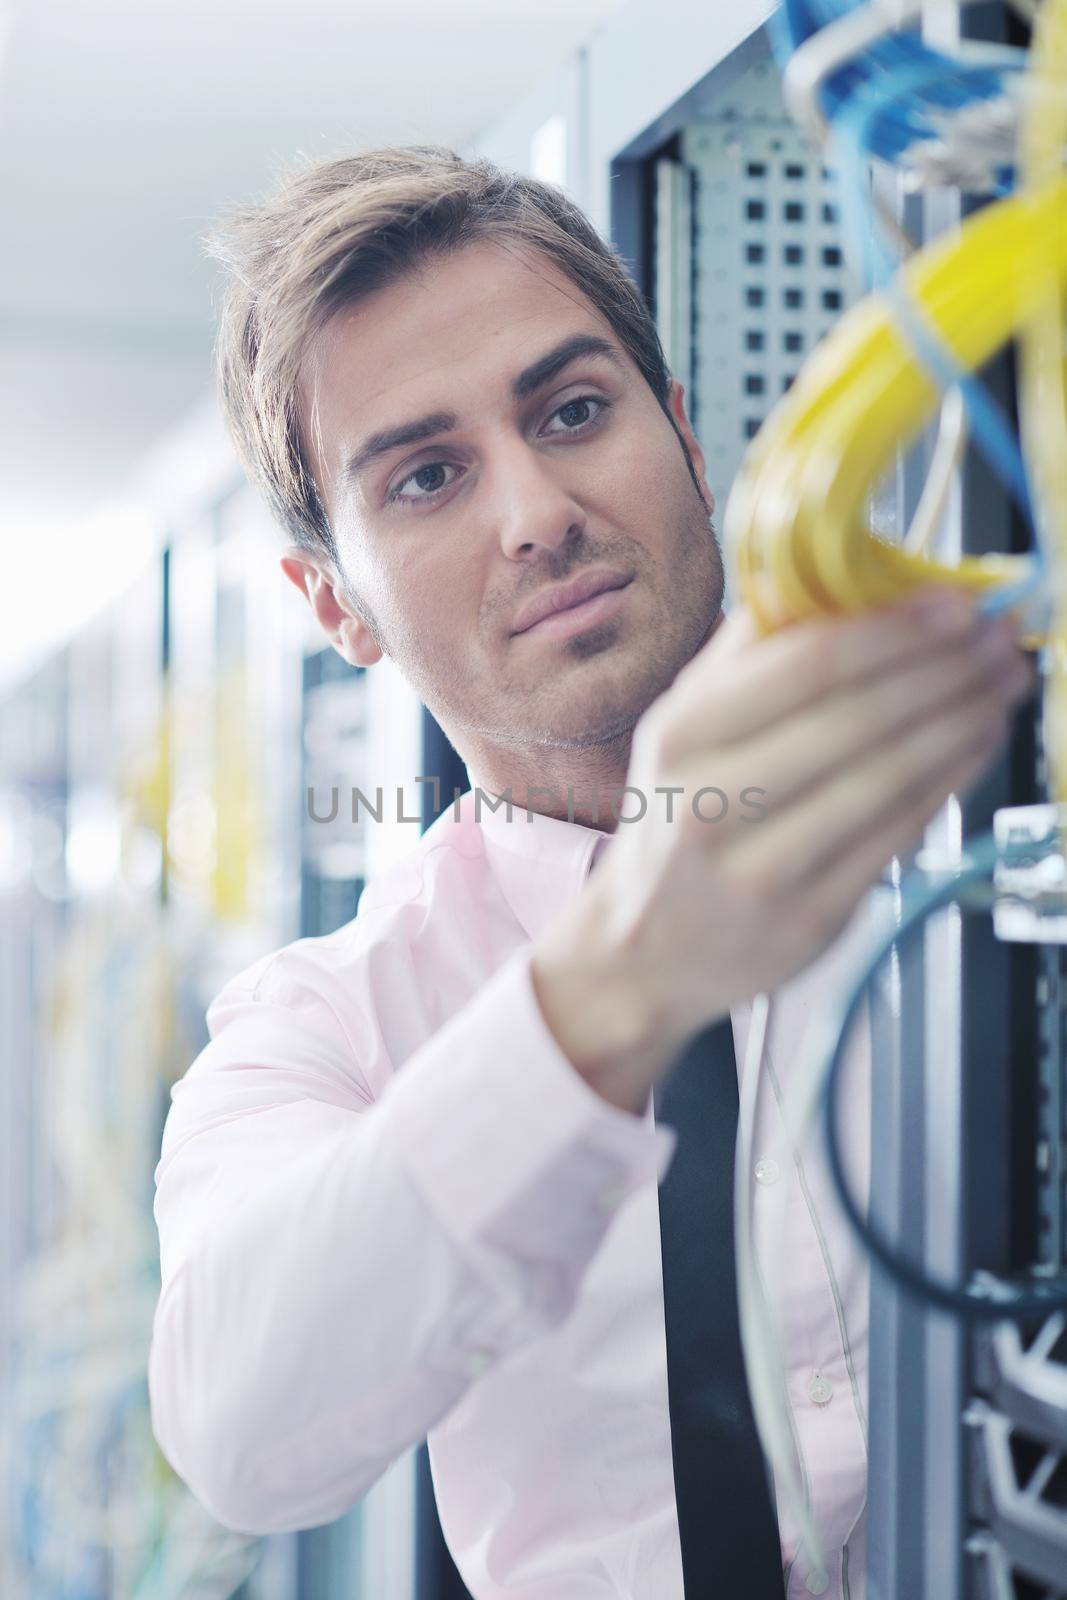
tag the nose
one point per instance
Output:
(533, 507)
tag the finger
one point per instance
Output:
(844, 881)
(844, 732)
(794, 845)
(772, 678)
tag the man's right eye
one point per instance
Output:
(396, 498)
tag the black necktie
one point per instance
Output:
(726, 1515)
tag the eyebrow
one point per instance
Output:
(527, 382)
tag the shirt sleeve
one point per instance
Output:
(338, 1268)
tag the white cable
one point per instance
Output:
(761, 1339)
(951, 442)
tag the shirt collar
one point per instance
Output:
(540, 863)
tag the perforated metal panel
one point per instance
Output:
(750, 270)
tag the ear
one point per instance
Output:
(676, 402)
(317, 579)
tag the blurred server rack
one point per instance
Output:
(150, 812)
(226, 773)
(32, 923)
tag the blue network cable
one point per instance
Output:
(950, 87)
(988, 1299)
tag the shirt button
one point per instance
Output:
(821, 1390)
(477, 1361)
(612, 1195)
(768, 1171)
(816, 1581)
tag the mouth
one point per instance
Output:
(564, 596)
(582, 615)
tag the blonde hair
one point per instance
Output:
(338, 230)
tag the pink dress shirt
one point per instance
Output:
(389, 1208)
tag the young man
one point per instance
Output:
(410, 1187)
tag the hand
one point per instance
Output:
(857, 730)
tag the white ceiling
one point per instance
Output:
(126, 127)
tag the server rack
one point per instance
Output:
(968, 1482)
(967, 1478)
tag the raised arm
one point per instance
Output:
(338, 1268)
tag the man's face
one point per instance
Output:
(445, 538)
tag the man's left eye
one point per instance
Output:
(430, 491)
(581, 404)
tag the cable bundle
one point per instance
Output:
(797, 509)
(917, 99)
(1017, 248)
(796, 517)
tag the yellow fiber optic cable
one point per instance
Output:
(796, 517)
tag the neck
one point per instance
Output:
(576, 785)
